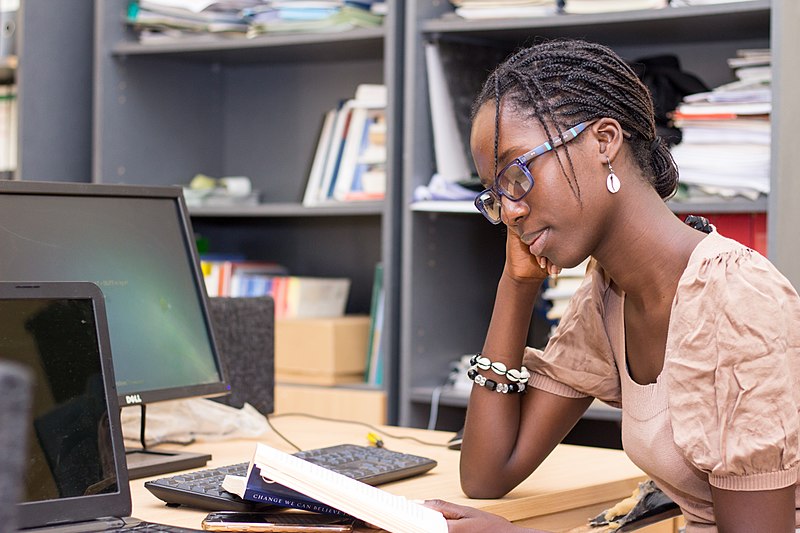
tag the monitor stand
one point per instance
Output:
(144, 462)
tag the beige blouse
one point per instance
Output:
(724, 410)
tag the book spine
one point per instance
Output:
(294, 503)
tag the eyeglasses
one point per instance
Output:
(514, 181)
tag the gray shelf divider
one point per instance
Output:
(54, 87)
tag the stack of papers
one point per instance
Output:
(158, 20)
(314, 15)
(576, 7)
(180, 18)
(725, 150)
(485, 9)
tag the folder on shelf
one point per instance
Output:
(448, 148)
(375, 354)
(319, 163)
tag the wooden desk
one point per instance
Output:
(573, 484)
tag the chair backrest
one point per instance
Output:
(15, 404)
(245, 334)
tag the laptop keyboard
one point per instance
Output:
(374, 466)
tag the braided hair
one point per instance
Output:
(565, 82)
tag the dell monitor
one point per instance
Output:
(137, 245)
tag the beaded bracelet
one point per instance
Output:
(517, 376)
(503, 388)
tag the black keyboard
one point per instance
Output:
(202, 489)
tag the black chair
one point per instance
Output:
(15, 402)
(245, 335)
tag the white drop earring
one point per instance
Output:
(612, 181)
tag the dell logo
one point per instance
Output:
(133, 398)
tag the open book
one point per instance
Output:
(372, 505)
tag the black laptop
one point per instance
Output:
(75, 478)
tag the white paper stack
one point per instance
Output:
(725, 150)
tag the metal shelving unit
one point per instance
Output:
(222, 106)
(451, 261)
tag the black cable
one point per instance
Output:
(281, 435)
(364, 424)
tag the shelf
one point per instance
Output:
(706, 207)
(719, 206)
(289, 210)
(446, 206)
(741, 20)
(451, 398)
(362, 43)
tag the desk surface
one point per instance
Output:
(572, 485)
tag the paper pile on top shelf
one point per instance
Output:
(576, 7)
(159, 19)
(314, 15)
(484, 9)
(725, 147)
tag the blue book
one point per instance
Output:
(255, 488)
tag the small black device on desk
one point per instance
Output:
(202, 489)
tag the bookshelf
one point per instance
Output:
(53, 73)
(253, 107)
(452, 258)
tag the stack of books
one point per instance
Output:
(177, 19)
(294, 296)
(313, 16)
(157, 20)
(725, 147)
(350, 159)
(580, 7)
(283, 479)
(484, 9)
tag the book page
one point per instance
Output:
(373, 505)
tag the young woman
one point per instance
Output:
(693, 335)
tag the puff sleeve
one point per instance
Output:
(732, 369)
(578, 361)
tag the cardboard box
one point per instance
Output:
(342, 403)
(321, 351)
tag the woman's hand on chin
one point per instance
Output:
(524, 267)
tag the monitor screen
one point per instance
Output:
(137, 245)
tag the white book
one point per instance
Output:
(375, 506)
(312, 193)
(353, 146)
(333, 159)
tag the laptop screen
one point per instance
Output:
(73, 470)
